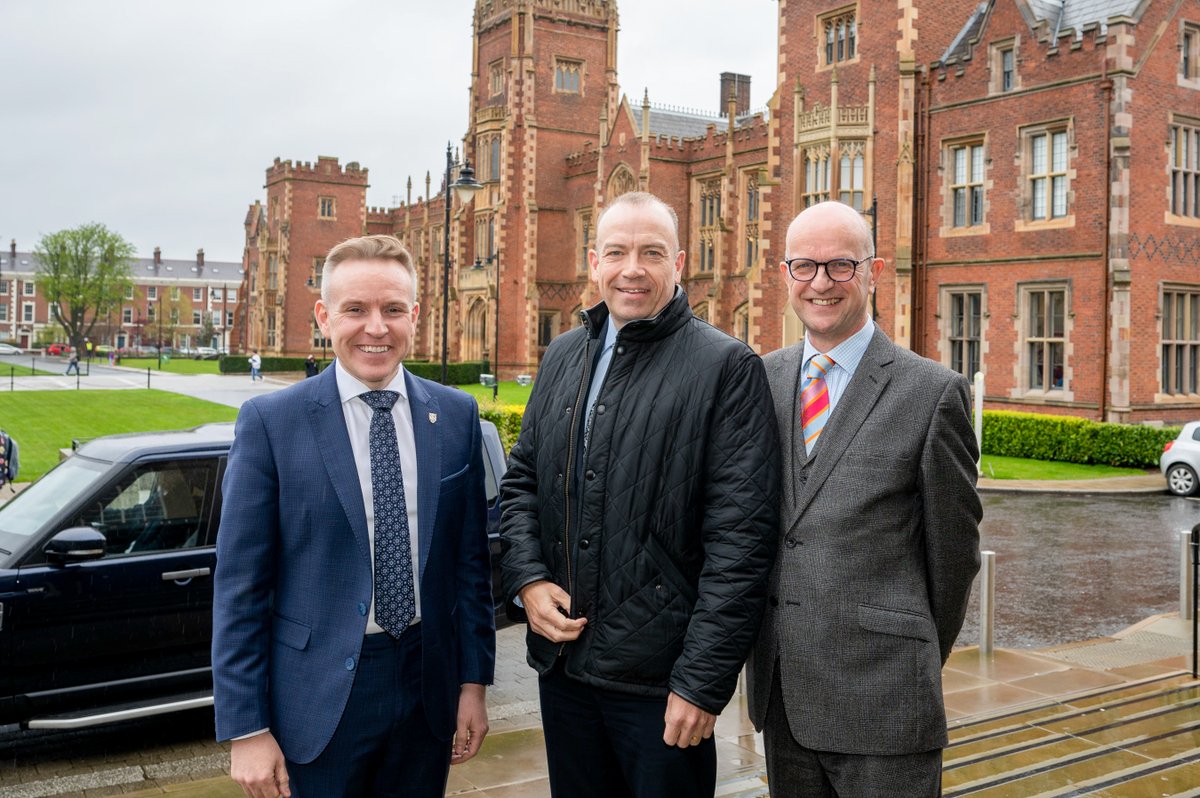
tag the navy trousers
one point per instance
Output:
(605, 744)
(382, 747)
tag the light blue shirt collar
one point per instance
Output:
(849, 353)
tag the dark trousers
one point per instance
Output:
(605, 744)
(382, 746)
(794, 771)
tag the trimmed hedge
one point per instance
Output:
(1073, 440)
(456, 373)
(507, 419)
(240, 364)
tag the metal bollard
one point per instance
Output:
(987, 602)
(1195, 544)
(1185, 575)
(147, 378)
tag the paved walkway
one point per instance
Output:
(1117, 716)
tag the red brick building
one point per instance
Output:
(1035, 165)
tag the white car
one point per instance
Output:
(204, 353)
(9, 349)
(1180, 461)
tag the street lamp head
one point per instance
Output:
(466, 185)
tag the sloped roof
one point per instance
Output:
(1076, 14)
(961, 46)
(680, 123)
(143, 268)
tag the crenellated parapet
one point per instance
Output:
(325, 169)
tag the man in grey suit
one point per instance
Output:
(878, 542)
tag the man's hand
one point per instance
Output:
(256, 764)
(472, 723)
(548, 608)
(686, 724)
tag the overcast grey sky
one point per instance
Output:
(158, 118)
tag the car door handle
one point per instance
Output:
(179, 576)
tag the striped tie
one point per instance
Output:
(814, 400)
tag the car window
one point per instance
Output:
(1196, 434)
(156, 507)
(29, 511)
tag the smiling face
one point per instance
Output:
(369, 315)
(637, 260)
(831, 312)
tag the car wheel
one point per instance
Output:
(1181, 480)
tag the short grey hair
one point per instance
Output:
(377, 247)
(640, 199)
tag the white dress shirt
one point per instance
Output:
(846, 357)
(358, 424)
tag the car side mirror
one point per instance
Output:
(78, 544)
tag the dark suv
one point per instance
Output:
(106, 578)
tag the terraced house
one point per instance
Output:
(1031, 169)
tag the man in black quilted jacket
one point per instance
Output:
(639, 522)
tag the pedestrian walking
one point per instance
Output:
(255, 365)
(310, 367)
(73, 364)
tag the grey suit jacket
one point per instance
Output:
(878, 547)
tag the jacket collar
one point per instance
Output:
(671, 318)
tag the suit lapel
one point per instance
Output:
(329, 428)
(785, 390)
(855, 404)
(424, 409)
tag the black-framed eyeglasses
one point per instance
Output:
(840, 270)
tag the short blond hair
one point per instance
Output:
(378, 247)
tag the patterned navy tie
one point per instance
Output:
(395, 606)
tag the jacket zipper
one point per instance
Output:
(572, 436)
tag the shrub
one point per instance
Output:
(456, 373)
(1073, 440)
(507, 419)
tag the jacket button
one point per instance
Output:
(621, 349)
(584, 543)
(774, 600)
(599, 408)
(790, 541)
(349, 663)
(362, 608)
(589, 475)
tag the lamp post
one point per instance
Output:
(494, 258)
(160, 330)
(466, 186)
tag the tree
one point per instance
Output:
(84, 273)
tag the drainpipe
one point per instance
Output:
(1106, 89)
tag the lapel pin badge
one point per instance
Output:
(433, 418)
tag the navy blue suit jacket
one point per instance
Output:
(293, 579)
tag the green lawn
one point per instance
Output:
(176, 365)
(20, 367)
(45, 421)
(995, 467)
(510, 393)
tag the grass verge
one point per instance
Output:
(45, 421)
(997, 467)
(175, 365)
(510, 393)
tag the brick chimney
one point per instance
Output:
(200, 258)
(739, 87)
(13, 251)
(157, 257)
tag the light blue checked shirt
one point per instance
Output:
(846, 357)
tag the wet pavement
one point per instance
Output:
(1071, 567)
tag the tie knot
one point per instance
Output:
(380, 400)
(818, 367)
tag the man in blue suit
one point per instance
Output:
(352, 622)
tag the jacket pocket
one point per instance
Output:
(666, 564)
(455, 480)
(292, 634)
(901, 623)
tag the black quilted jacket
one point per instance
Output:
(666, 542)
